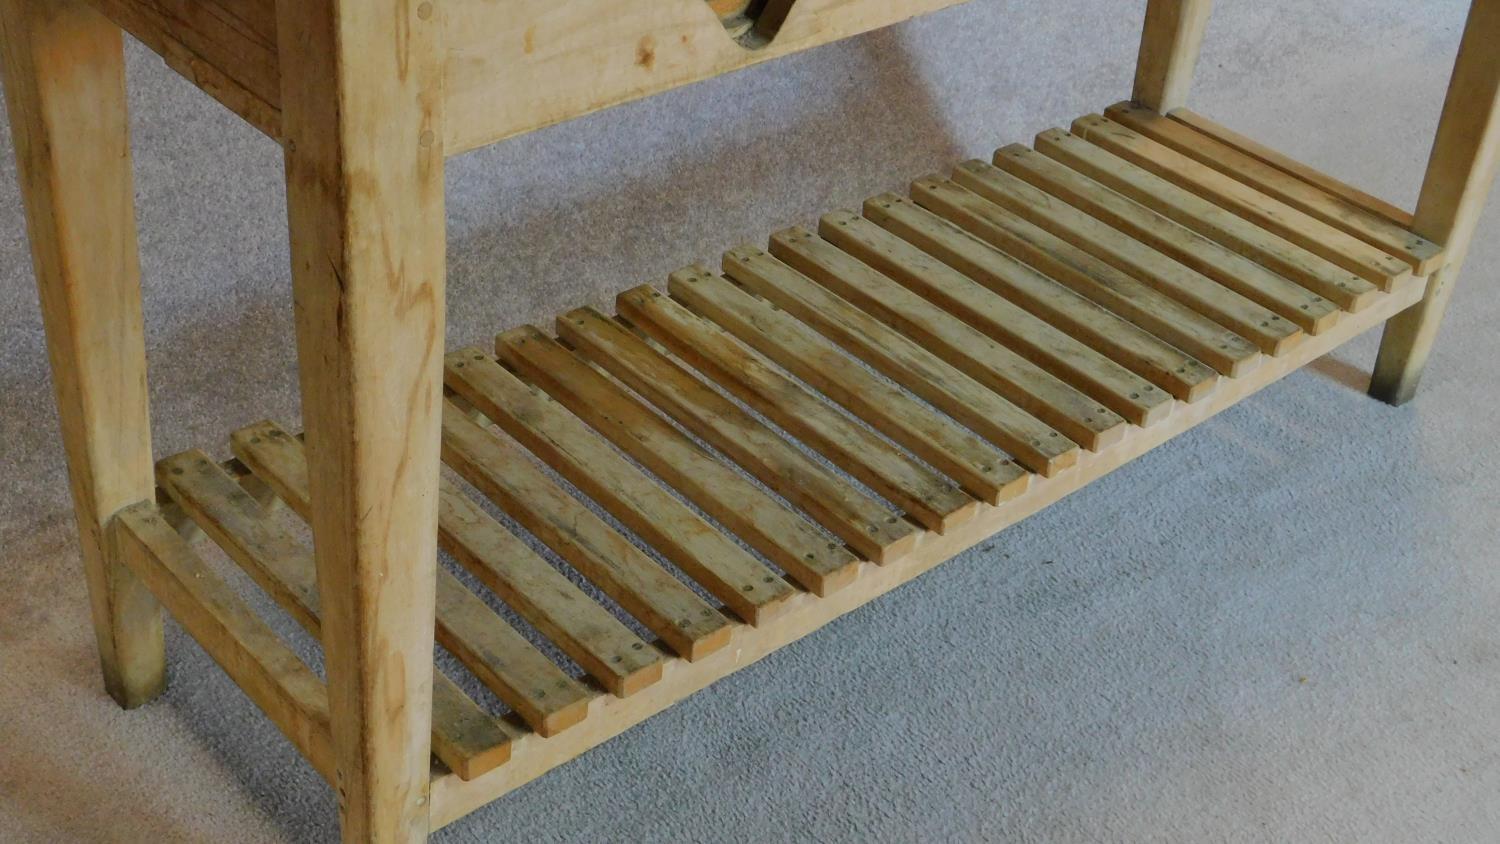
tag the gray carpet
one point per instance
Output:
(1281, 627)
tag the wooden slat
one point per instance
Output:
(926, 495)
(764, 523)
(251, 654)
(687, 623)
(1027, 385)
(585, 631)
(1286, 164)
(1059, 353)
(1134, 272)
(1249, 204)
(985, 471)
(1124, 342)
(545, 697)
(1049, 168)
(1033, 443)
(730, 573)
(1277, 254)
(452, 799)
(867, 525)
(1419, 253)
(1087, 276)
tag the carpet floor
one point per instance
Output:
(1280, 627)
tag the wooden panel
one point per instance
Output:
(1317, 237)
(611, 716)
(65, 92)
(226, 47)
(1420, 254)
(272, 676)
(546, 698)
(1265, 154)
(997, 367)
(996, 316)
(1033, 443)
(927, 496)
(974, 463)
(1301, 306)
(867, 525)
(687, 623)
(585, 631)
(731, 574)
(767, 525)
(1124, 342)
(1141, 276)
(1341, 287)
(524, 64)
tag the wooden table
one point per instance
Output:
(1029, 325)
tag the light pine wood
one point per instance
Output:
(225, 47)
(1170, 42)
(867, 525)
(467, 739)
(979, 467)
(1049, 167)
(452, 798)
(262, 665)
(523, 64)
(687, 623)
(787, 539)
(362, 98)
(1026, 385)
(1130, 270)
(617, 658)
(1127, 344)
(1460, 172)
(1032, 442)
(731, 574)
(1420, 254)
(1341, 288)
(1261, 152)
(926, 496)
(510, 666)
(1323, 240)
(995, 316)
(65, 91)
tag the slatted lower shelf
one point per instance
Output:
(828, 418)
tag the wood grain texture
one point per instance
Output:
(465, 738)
(1059, 164)
(810, 556)
(362, 96)
(868, 525)
(609, 717)
(926, 496)
(1421, 254)
(1465, 157)
(523, 64)
(1170, 43)
(730, 573)
(65, 90)
(225, 47)
(980, 467)
(1253, 148)
(271, 675)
